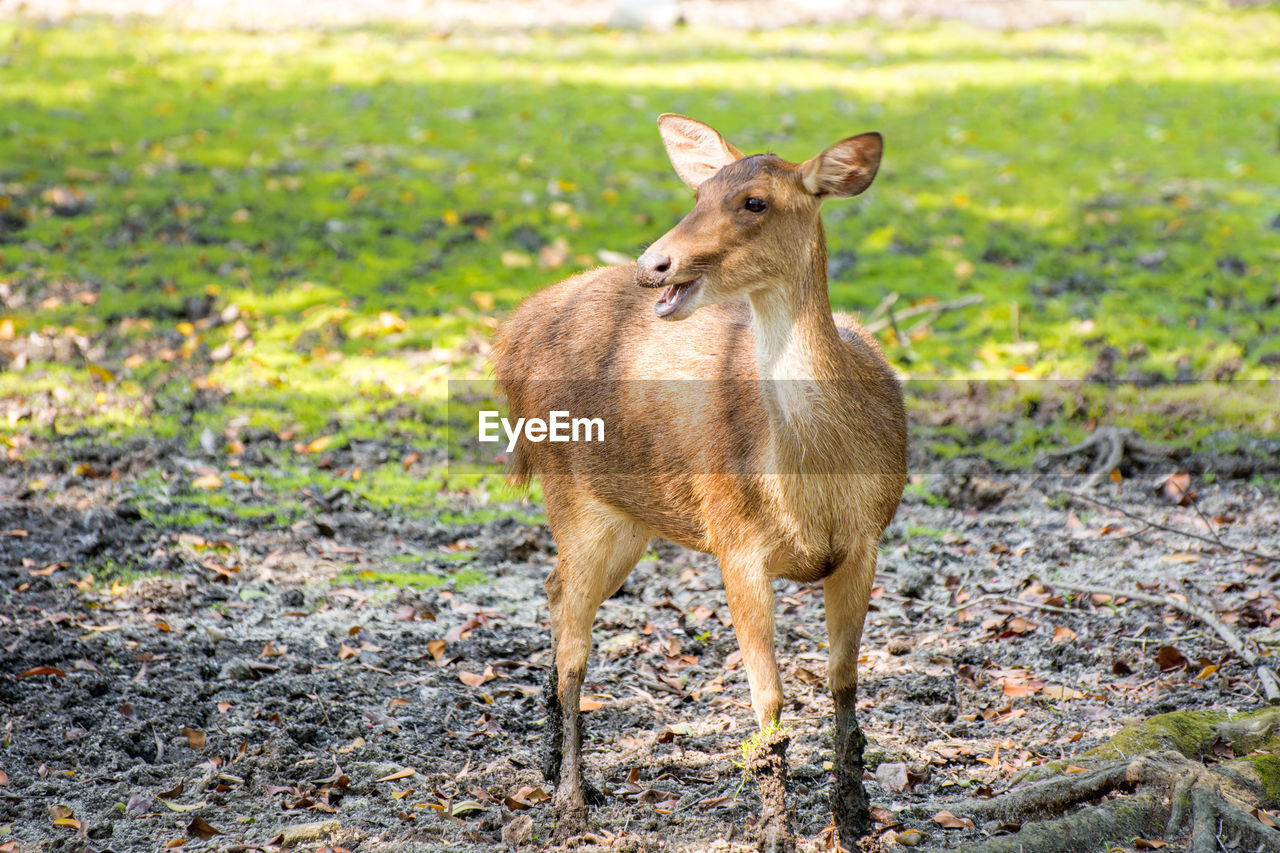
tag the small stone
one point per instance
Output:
(1153, 259)
(620, 645)
(236, 669)
(915, 582)
(910, 837)
(518, 831)
(304, 832)
(893, 777)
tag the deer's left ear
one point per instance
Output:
(696, 150)
(846, 168)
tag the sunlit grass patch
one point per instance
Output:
(312, 233)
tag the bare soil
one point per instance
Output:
(245, 689)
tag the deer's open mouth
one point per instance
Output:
(674, 296)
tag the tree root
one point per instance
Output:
(1164, 796)
(1112, 444)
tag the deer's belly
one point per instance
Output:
(806, 565)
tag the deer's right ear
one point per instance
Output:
(697, 152)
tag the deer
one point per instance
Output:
(748, 422)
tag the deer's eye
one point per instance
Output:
(755, 205)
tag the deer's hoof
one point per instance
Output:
(776, 837)
(571, 824)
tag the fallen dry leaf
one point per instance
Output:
(1057, 691)
(201, 827)
(525, 798)
(195, 737)
(43, 670)
(1017, 691)
(1176, 488)
(208, 482)
(947, 820)
(1169, 658)
(471, 679)
(1206, 672)
(403, 773)
(1146, 844)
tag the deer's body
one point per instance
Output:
(677, 479)
(755, 429)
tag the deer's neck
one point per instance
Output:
(795, 337)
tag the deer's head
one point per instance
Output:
(755, 219)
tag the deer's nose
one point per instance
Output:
(652, 269)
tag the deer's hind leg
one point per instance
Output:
(598, 549)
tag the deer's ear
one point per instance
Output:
(846, 168)
(697, 152)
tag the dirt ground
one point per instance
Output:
(248, 689)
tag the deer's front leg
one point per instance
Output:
(750, 597)
(847, 592)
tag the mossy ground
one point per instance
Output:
(1188, 732)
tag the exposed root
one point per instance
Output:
(1157, 797)
(1164, 796)
(1112, 444)
(1061, 792)
(1127, 818)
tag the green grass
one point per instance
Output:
(306, 233)
(461, 578)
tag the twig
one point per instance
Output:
(1143, 641)
(1269, 684)
(1257, 555)
(884, 306)
(1006, 598)
(1195, 504)
(934, 308)
(903, 340)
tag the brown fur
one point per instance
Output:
(795, 476)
